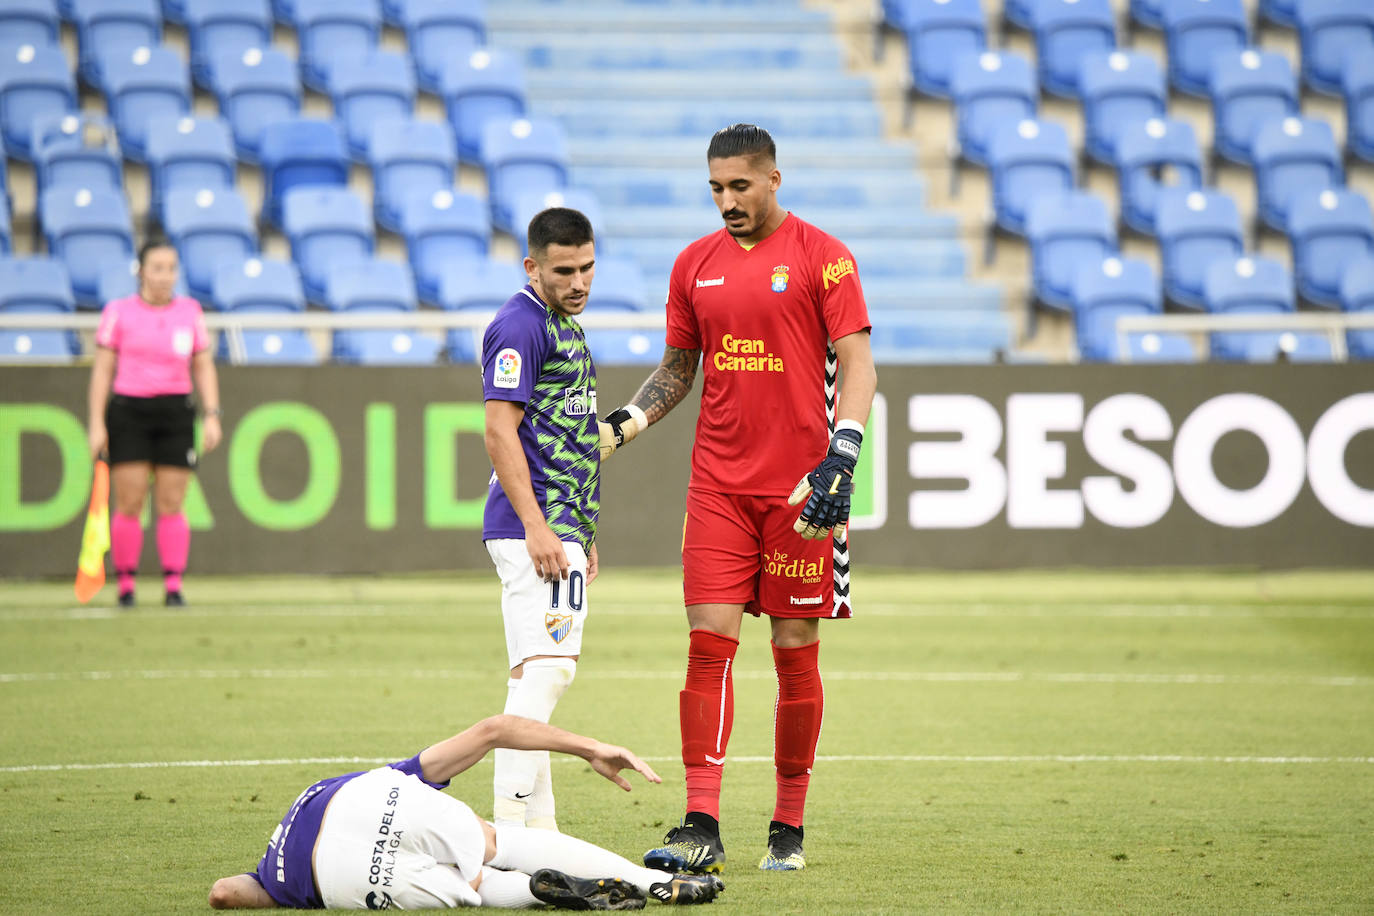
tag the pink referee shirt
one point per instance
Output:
(153, 344)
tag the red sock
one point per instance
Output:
(707, 711)
(173, 546)
(126, 546)
(797, 727)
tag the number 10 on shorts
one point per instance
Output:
(574, 591)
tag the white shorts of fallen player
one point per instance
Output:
(542, 618)
(390, 841)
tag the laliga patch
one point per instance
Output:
(779, 281)
(558, 625)
(506, 372)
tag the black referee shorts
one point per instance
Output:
(161, 429)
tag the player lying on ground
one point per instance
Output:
(388, 838)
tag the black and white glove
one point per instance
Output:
(619, 427)
(827, 489)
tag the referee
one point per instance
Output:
(149, 347)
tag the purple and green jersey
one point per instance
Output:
(536, 356)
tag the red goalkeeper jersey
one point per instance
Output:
(763, 320)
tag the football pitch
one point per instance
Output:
(1084, 742)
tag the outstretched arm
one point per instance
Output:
(445, 760)
(659, 394)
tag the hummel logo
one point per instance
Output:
(795, 600)
(718, 281)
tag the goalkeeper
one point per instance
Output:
(771, 306)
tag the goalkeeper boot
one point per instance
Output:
(569, 893)
(695, 847)
(687, 889)
(784, 848)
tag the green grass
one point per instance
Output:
(1005, 726)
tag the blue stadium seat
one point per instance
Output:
(1357, 295)
(1290, 155)
(286, 347)
(6, 230)
(371, 284)
(1151, 156)
(1256, 286)
(300, 152)
(113, 29)
(990, 89)
(1197, 31)
(1066, 230)
(258, 285)
(36, 346)
(1328, 230)
(945, 336)
(143, 84)
(34, 284)
(1357, 86)
(1117, 88)
(1065, 32)
(1248, 89)
(219, 27)
(1027, 159)
(1331, 32)
(479, 284)
(1195, 229)
(34, 80)
(334, 30)
(1147, 13)
(326, 227)
(86, 228)
(486, 85)
(409, 158)
(209, 228)
(189, 153)
(254, 89)
(528, 203)
(29, 22)
(443, 227)
(625, 347)
(368, 89)
(522, 156)
(386, 348)
(938, 32)
(1281, 13)
(618, 286)
(438, 31)
(76, 150)
(1114, 288)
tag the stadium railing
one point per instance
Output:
(1334, 325)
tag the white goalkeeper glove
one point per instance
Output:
(619, 427)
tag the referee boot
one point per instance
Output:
(784, 848)
(694, 847)
(569, 893)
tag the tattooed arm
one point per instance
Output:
(659, 394)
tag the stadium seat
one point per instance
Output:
(113, 29)
(6, 230)
(143, 84)
(385, 348)
(1248, 89)
(173, 11)
(990, 89)
(447, 225)
(1328, 229)
(528, 203)
(1147, 13)
(377, 285)
(36, 346)
(254, 89)
(1027, 159)
(86, 228)
(1066, 230)
(522, 156)
(625, 347)
(1256, 286)
(209, 228)
(258, 285)
(438, 31)
(1197, 31)
(34, 80)
(1065, 32)
(326, 226)
(1195, 228)
(1292, 154)
(409, 158)
(938, 32)
(76, 150)
(34, 284)
(258, 347)
(29, 22)
(218, 27)
(1151, 156)
(479, 284)
(1357, 295)
(905, 338)
(300, 152)
(368, 89)
(334, 30)
(1282, 13)
(618, 286)
(486, 85)
(1114, 288)
(1331, 32)
(192, 153)
(1117, 88)
(1357, 86)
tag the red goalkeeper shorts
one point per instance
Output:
(742, 550)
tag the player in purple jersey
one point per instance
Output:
(539, 525)
(390, 839)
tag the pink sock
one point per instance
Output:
(173, 544)
(126, 545)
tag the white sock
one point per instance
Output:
(539, 812)
(515, 785)
(507, 890)
(529, 850)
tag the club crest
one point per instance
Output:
(558, 625)
(779, 282)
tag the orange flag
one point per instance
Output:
(95, 540)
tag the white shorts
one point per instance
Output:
(388, 840)
(542, 618)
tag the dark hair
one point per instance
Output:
(155, 241)
(558, 226)
(742, 140)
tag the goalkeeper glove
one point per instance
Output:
(827, 488)
(619, 427)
